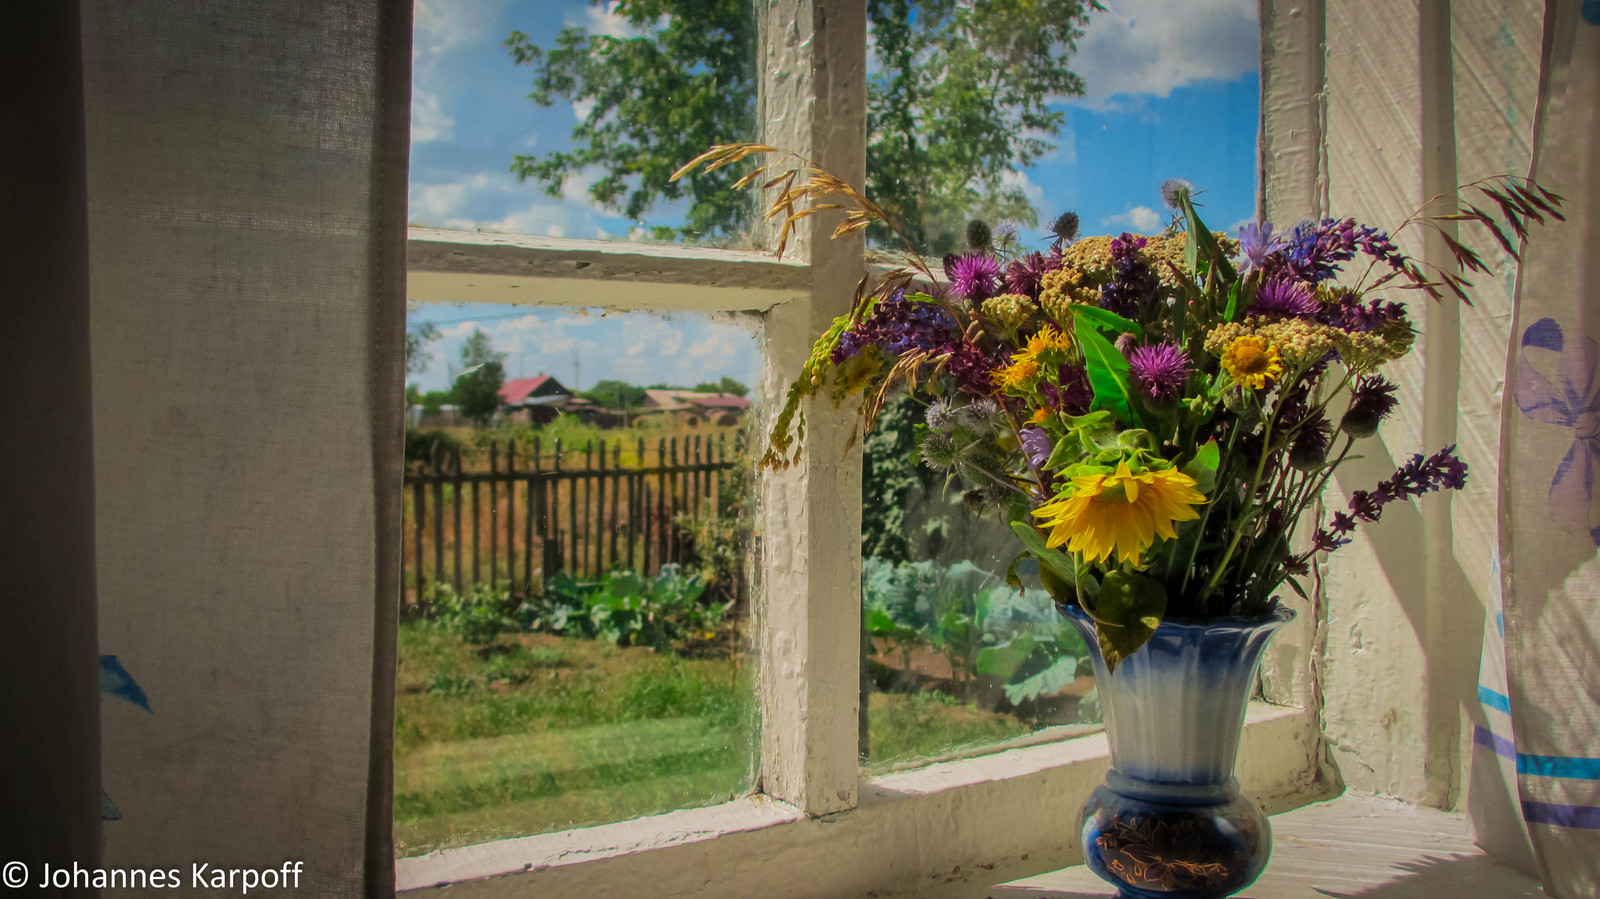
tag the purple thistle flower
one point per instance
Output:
(1036, 445)
(973, 275)
(1174, 191)
(1025, 274)
(1257, 242)
(1159, 371)
(1310, 445)
(1370, 403)
(1284, 299)
(1065, 227)
(1074, 396)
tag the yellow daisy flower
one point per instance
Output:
(1252, 361)
(1039, 416)
(1122, 512)
(1045, 342)
(1018, 375)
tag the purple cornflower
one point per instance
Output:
(1024, 274)
(1316, 248)
(1159, 370)
(1284, 299)
(1371, 402)
(1257, 242)
(1174, 191)
(1036, 445)
(1133, 282)
(973, 275)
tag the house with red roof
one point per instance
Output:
(538, 399)
(694, 408)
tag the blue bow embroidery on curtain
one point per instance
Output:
(1574, 404)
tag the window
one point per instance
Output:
(807, 640)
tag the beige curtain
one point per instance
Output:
(1540, 691)
(247, 167)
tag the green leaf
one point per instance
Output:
(919, 298)
(1203, 467)
(877, 621)
(1062, 672)
(1128, 612)
(1295, 583)
(1002, 661)
(1232, 312)
(1107, 320)
(1049, 558)
(1107, 369)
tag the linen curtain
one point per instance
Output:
(246, 172)
(1535, 796)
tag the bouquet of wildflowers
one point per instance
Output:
(1153, 415)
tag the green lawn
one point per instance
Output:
(536, 733)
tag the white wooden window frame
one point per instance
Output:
(815, 826)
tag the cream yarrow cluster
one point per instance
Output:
(1060, 289)
(1010, 310)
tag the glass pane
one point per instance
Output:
(576, 589)
(1003, 129)
(568, 120)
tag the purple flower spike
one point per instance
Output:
(974, 276)
(1284, 299)
(1257, 242)
(1159, 370)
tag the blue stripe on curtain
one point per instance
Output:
(1569, 767)
(1584, 816)
(1494, 700)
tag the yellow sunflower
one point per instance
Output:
(1121, 512)
(1252, 361)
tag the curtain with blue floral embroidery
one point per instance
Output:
(1536, 763)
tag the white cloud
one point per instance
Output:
(606, 20)
(1033, 192)
(582, 108)
(444, 200)
(428, 120)
(1149, 47)
(443, 24)
(1140, 218)
(713, 344)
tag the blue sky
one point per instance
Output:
(1172, 91)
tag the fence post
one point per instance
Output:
(455, 500)
(598, 533)
(574, 561)
(555, 505)
(511, 513)
(527, 520)
(616, 488)
(438, 514)
(494, 513)
(419, 517)
(664, 547)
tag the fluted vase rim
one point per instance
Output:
(1277, 614)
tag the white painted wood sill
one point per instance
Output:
(1010, 810)
(1355, 845)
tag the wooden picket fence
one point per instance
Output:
(583, 512)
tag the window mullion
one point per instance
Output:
(812, 100)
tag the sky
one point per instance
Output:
(1173, 91)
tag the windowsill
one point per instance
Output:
(983, 810)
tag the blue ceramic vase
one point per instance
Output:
(1169, 822)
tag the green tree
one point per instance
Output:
(477, 388)
(417, 339)
(726, 385)
(615, 395)
(959, 99)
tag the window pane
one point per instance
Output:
(568, 120)
(997, 128)
(572, 637)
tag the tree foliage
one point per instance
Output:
(726, 385)
(477, 389)
(959, 99)
(658, 101)
(417, 339)
(615, 395)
